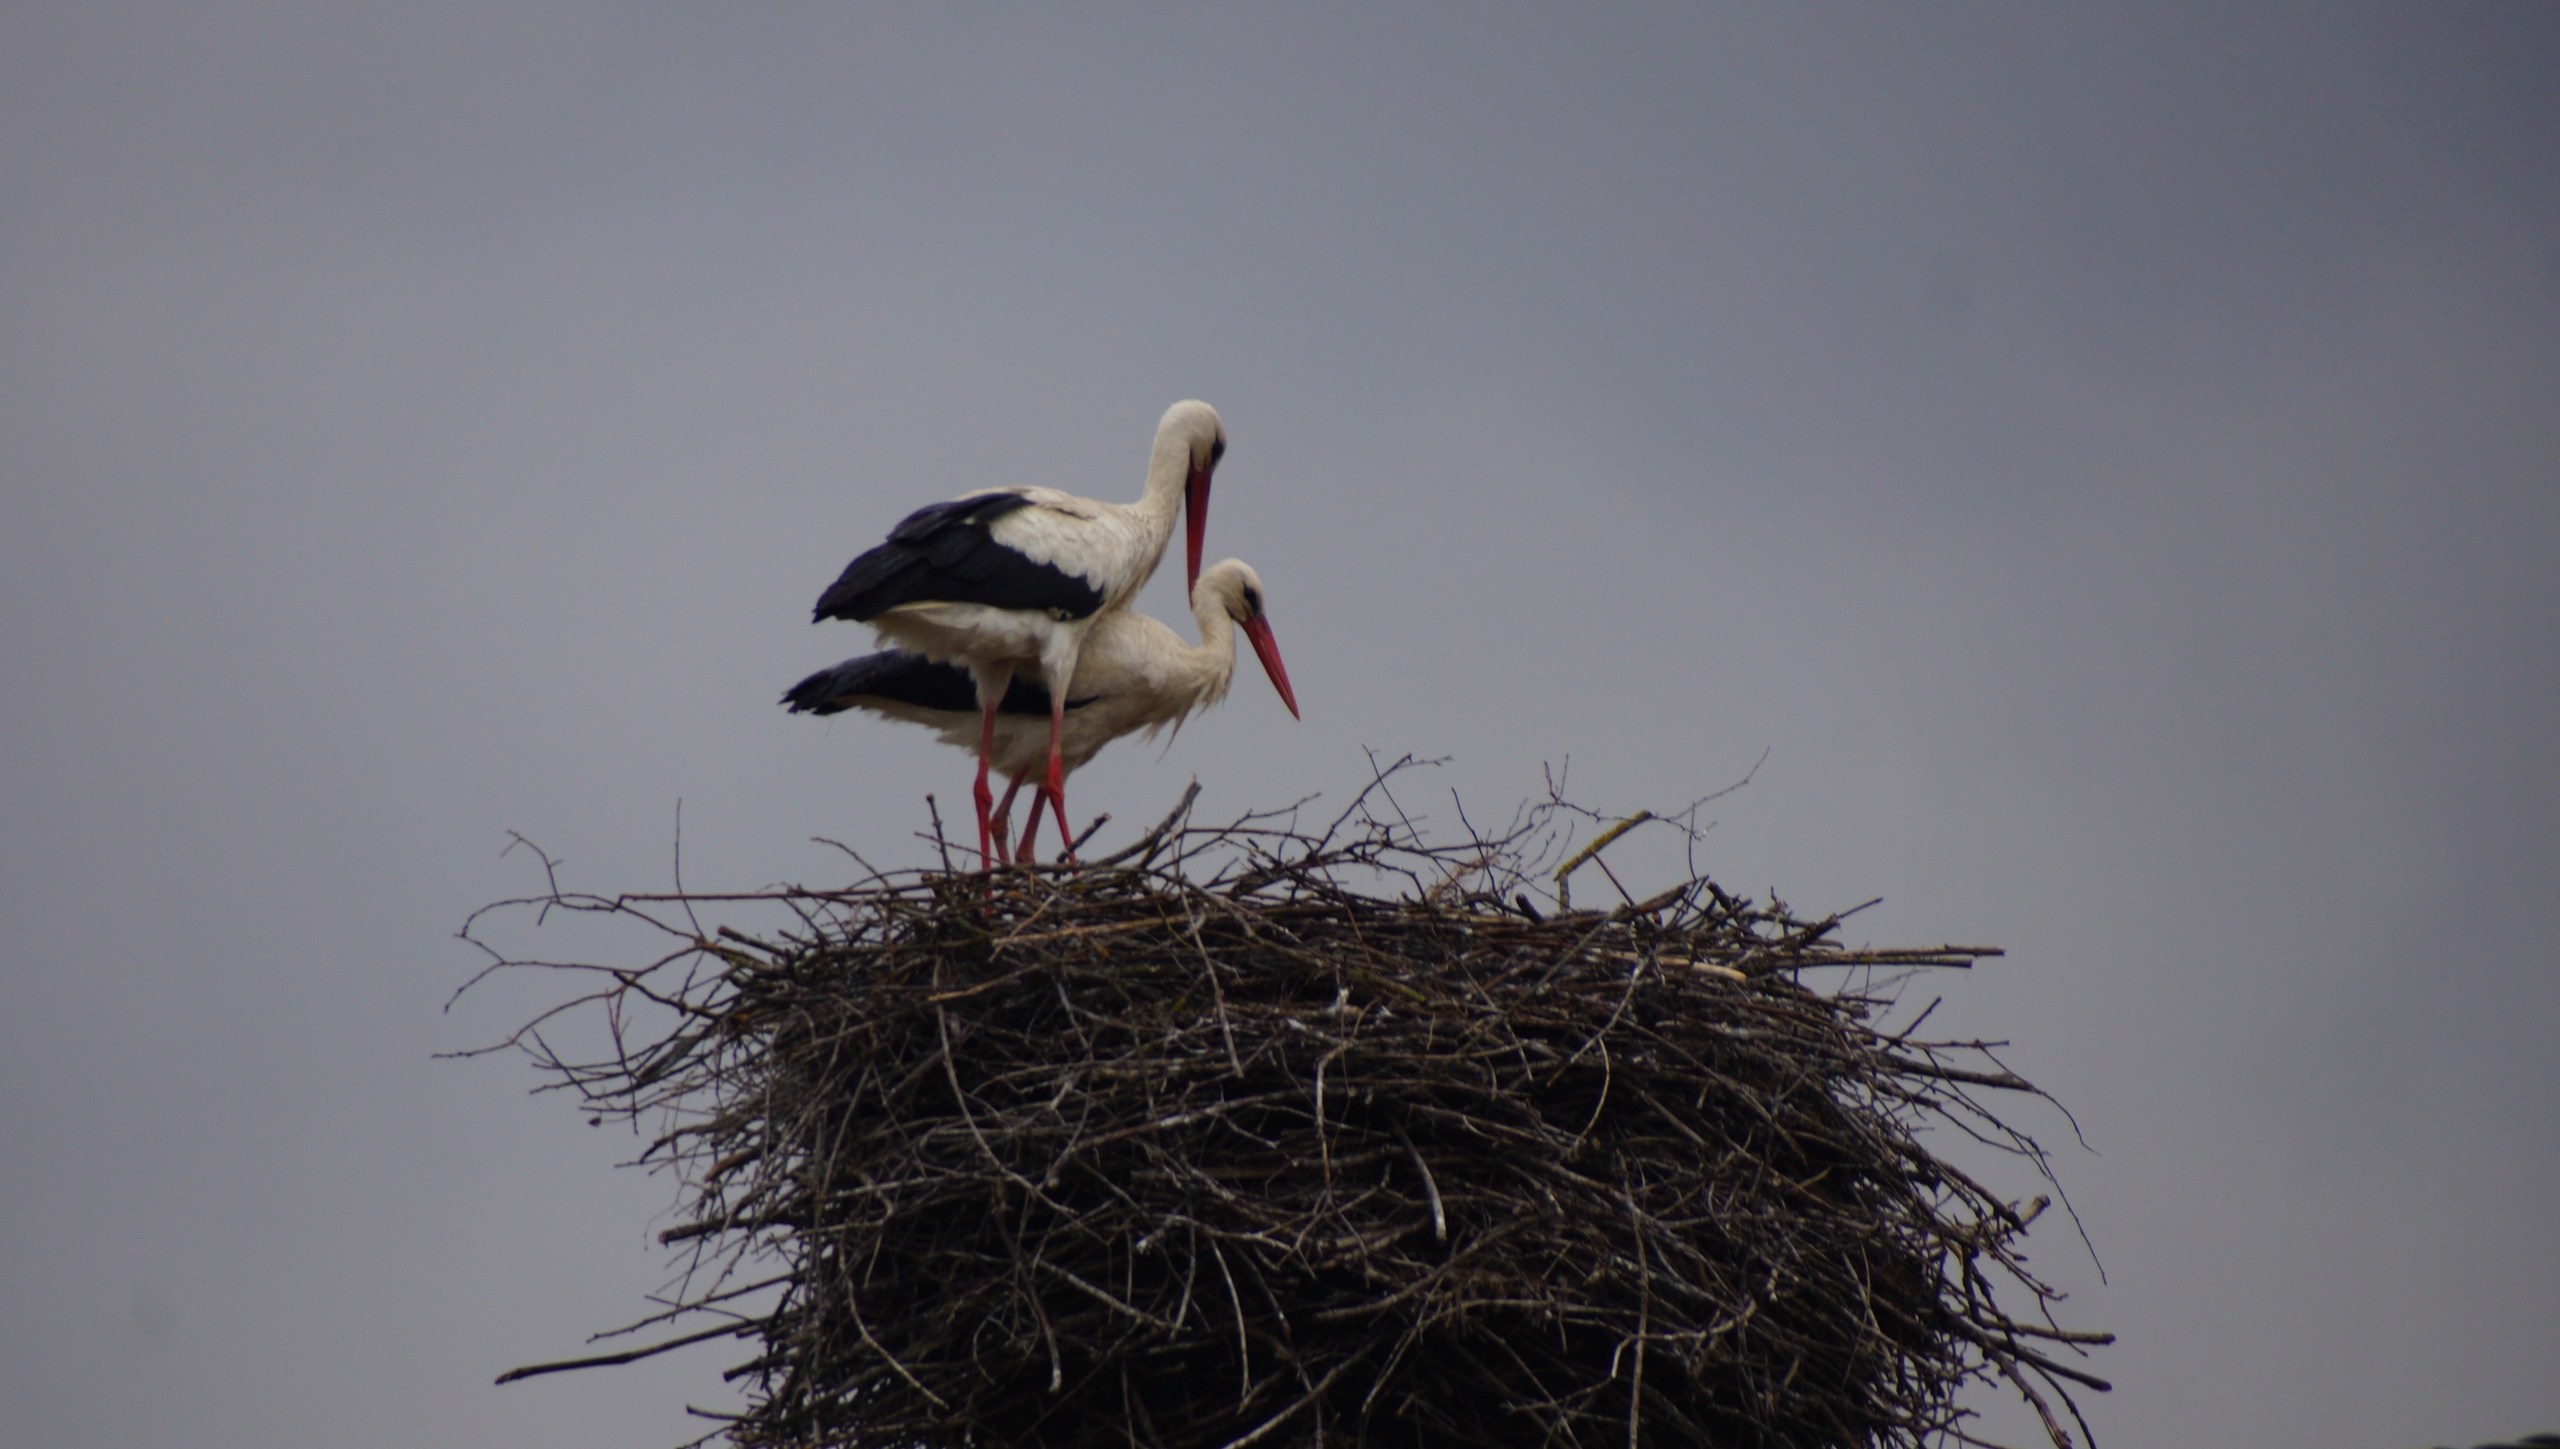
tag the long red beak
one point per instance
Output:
(1195, 517)
(1267, 649)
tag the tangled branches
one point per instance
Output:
(1247, 1136)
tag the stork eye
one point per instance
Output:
(1217, 450)
(1252, 602)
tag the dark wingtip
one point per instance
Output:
(814, 695)
(839, 601)
(893, 676)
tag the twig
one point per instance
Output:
(1600, 842)
(631, 1355)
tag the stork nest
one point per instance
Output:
(1247, 1136)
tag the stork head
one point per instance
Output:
(1233, 587)
(1191, 438)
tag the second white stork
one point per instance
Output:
(1013, 580)
(1133, 675)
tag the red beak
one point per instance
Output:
(1267, 649)
(1195, 517)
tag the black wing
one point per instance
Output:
(911, 679)
(944, 553)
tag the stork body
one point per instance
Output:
(1011, 581)
(1132, 676)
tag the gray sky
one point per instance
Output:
(2109, 462)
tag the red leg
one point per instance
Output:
(1057, 788)
(984, 796)
(1030, 827)
(1004, 818)
(1066, 838)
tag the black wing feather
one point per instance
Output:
(944, 553)
(911, 679)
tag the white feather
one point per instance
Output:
(1138, 674)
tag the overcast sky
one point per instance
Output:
(2108, 462)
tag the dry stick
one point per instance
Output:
(1102, 1295)
(1263, 1429)
(960, 1099)
(1217, 992)
(2052, 1426)
(1190, 1271)
(725, 1330)
(1439, 1218)
(1324, 1145)
(1090, 831)
(1634, 976)
(1039, 1311)
(891, 1359)
(1148, 843)
(1244, 1340)
(941, 842)
(693, 1305)
(1644, 1320)
(1600, 842)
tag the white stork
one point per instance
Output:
(1134, 674)
(1009, 579)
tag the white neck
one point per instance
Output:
(1209, 669)
(1168, 482)
(1186, 426)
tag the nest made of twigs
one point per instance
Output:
(1163, 1155)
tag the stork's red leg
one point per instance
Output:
(1057, 787)
(1031, 826)
(1004, 818)
(1066, 838)
(986, 797)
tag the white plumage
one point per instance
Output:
(1014, 580)
(1133, 676)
